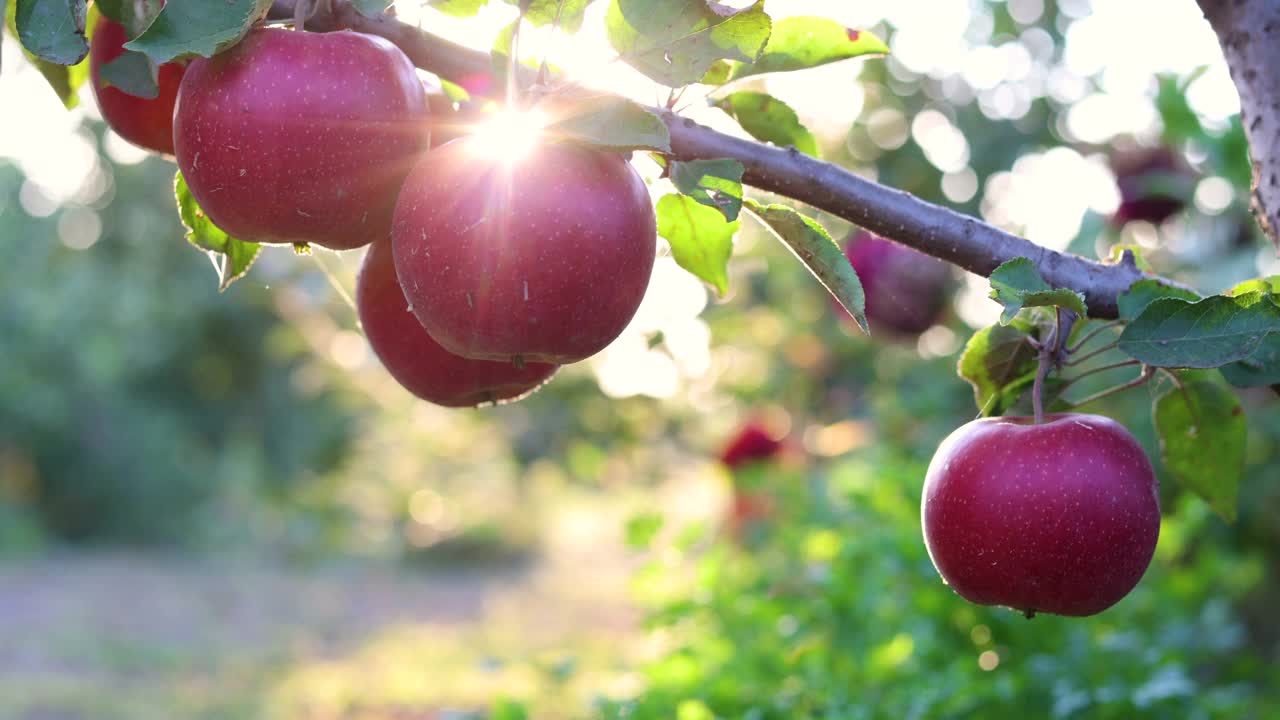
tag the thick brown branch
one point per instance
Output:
(1249, 32)
(938, 231)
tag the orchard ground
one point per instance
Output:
(142, 634)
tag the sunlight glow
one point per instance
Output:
(509, 134)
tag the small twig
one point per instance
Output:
(1147, 372)
(1091, 335)
(1093, 354)
(1095, 371)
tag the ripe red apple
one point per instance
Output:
(750, 506)
(1154, 184)
(906, 290)
(419, 363)
(298, 137)
(752, 443)
(147, 123)
(536, 257)
(1060, 517)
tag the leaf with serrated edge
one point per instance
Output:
(767, 118)
(458, 8)
(1142, 293)
(231, 257)
(185, 28)
(714, 183)
(1206, 334)
(1017, 284)
(994, 359)
(1203, 431)
(53, 31)
(612, 123)
(810, 242)
(701, 239)
(798, 43)
(63, 79)
(675, 42)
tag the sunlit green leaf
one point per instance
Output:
(613, 123)
(700, 237)
(769, 119)
(797, 43)
(675, 42)
(997, 361)
(813, 245)
(231, 257)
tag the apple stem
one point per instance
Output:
(1050, 354)
(301, 13)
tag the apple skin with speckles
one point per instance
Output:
(419, 363)
(1060, 517)
(145, 122)
(537, 257)
(298, 137)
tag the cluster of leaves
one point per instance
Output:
(1201, 346)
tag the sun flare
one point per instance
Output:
(510, 134)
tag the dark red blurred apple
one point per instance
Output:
(298, 137)
(1154, 184)
(535, 257)
(1060, 517)
(419, 363)
(752, 443)
(145, 122)
(906, 290)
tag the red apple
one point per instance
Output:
(1060, 517)
(298, 137)
(147, 123)
(419, 363)
(906, 290)
(751, 444)
(536, 257)
(1154, 184)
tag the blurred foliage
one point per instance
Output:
(136, 404)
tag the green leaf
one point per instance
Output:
(1202, 430)
(1017, 284)
(611, 122)
(134, 73)
(1263, 366)
(458, 8)
(797, 43)
(53, 30)
(1269, 284)
(185, 28)
(371, 8)
(767, 118)
(231, 257)
(132, 14)
(65, 80)
(1206, 334)
(566, 14)
(714, 183)
(505, 709)
(701, 239)
(642, 528)
(675, 42)
(810, 242)
(998, 361)
(1144, 292)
